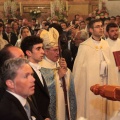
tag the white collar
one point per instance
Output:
(50, 61)
(20, 98)
(35, 65)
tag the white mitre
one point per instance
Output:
(50, 38)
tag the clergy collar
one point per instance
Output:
(51, 62)
(95, 40)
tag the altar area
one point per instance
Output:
(81, 7)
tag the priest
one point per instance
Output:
(53, 68)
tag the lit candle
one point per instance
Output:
(20, 9)
(51, 6)
(66, 5)
(100, 4)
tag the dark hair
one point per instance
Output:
(29, 42)
(82, 22)
(113, 17)
(76, 15)
(92, 22)
(57, 27)
(111, 25)
(5, 54)
(34, 19)
(47, 24)
(1, 21)
(64, 23)
(1, 24)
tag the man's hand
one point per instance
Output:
(63, 63)
(63, 68)
(61, 72)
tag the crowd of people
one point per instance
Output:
(47, 68)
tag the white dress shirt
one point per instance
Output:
(37, 68)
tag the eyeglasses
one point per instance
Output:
(54, 50)
(99, 26)
(8, 27)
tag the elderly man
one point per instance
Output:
(17, 78)
(53, 71)
(94, 64)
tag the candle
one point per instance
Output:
(100, 4)
(20, 9)
(51, 6)
(66, 5)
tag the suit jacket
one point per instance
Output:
(11, 108)
(13, 38)
(42, 98)
(34, 110)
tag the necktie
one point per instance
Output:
(27, 109)
(41, 78)
(9, 37)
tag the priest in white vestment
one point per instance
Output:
(94, 64)
(53, 71)
(113, 40)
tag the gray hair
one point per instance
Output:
(83, 35)
(10, 68)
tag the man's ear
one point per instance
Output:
(28, 52)
(46, 51)
(90, 30)
(107, 33)
(10, 83)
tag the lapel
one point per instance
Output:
(17, 103)
(37, 81)
(5, 36)
(34, 111)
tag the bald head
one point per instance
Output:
(10, 52)
(16, 52)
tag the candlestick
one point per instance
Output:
(20, 9)
(66, 5)
(51, 8)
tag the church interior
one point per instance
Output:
(69, 8)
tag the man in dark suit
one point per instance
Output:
(9, 35)
(8, 52)
(17, 78)
(32, 47)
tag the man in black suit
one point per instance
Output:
(9, 35)
(17, 78)
(32, 47)
(8, 52)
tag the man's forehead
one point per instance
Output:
(55, 47)
(38, 45)
(16, 52)
(114, 28)
(97, 23)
